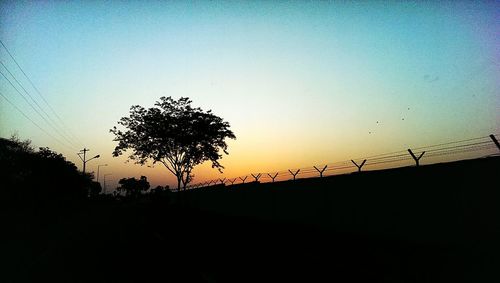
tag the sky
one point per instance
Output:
(301, 83)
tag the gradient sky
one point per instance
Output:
(302, 83)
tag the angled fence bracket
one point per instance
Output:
(243, 180)
(222, 181)
(359, 166)
(257, 177)
(294, 174)
(495, 141)
(320, 171)
(232, 181)
(273, 177)
(417, 159)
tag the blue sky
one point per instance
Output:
(300, 82)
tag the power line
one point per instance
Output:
(31, 105)
(39, 93)
(26, 116)
(53, 124)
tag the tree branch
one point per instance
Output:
(166, 165)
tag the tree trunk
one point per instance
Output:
(179, 192)
(179, 184)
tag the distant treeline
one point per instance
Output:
(33, 178)
(43, 178)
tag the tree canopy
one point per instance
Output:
(42, 177)
(132, 186)
(174, 134)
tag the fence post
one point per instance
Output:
(495, 141)
(222, 181)
(417, 159)
(320, 171)
(359, 166)
(257, 177)
(232, 181)
(294, 174)
(272, 177)
(243, 180)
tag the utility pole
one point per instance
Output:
(84, 150)
(104, 189)
(84, 158)
(98, 170)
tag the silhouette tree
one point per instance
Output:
(40, 177)
(132, 186)
(174, 134)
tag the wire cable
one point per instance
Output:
(393, 157)
(52, 124)
(33, 122)
(447, 143)
(31, 105)
(38, 92)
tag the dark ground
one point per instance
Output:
(156, 240)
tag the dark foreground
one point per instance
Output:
(157, 240)
(126, 244)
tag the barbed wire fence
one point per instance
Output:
(486, 146)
